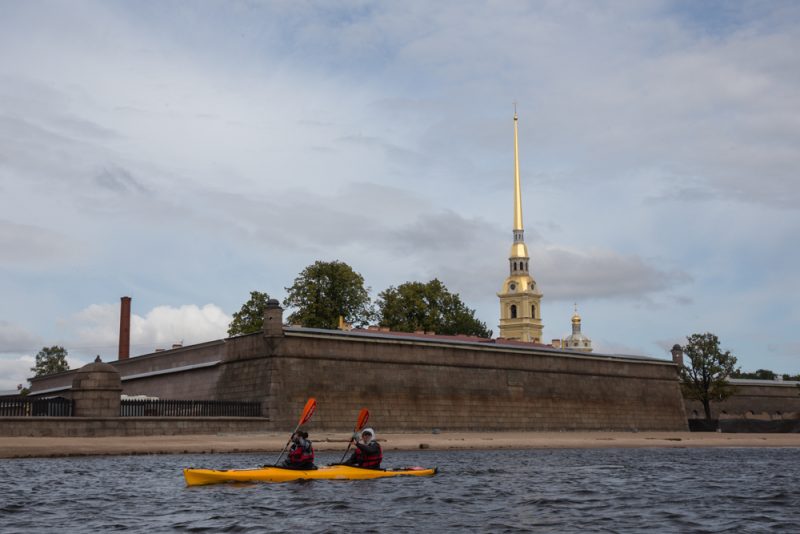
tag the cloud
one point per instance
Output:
(656, 140)
(442, 234)
(15, 339)
(576, 274)
(118, 180)
(14, 372)
(96, 328)
(29, 245)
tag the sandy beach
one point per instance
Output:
(32, 447)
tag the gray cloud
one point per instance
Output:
(22, 244)
(119, 180)
(601, 274)
(275, 134)
(14, 339)
(443, 233)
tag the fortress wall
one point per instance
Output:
(247, 372)
(417, 384)
(196, 384)
(767, 400)
(128, 426)
(148, 363)
(168, 359)
(412, 385)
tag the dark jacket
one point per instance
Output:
(366, 455)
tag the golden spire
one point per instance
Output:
(518, 248)
(517, 195)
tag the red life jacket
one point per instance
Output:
(301, 455)
(369, 459)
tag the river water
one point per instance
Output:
(564, 490)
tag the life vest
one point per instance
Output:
(369, 459)
(301, 455)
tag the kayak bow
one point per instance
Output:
(199, 477)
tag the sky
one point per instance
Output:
(187, 153)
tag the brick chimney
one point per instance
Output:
(125, 328)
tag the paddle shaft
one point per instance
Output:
(308, 411)
(287, 444)
(346, 451)
(363, 417)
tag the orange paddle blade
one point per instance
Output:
(308, 411)
(363, 417)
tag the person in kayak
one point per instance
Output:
(368, 453)
(301, 453)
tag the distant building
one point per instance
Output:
(576, 340)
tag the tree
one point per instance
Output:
(430, 307)
(250, 318)
(705, 376)
(325, 291)
(760, 374)
(50, 360)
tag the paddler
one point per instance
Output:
(368, 452)
(301, 453)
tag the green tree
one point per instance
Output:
(50, 360)
(705, 376)
(250, 318)
(431, 307)
(760, 374)
(325, 291)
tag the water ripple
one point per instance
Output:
(603, 490)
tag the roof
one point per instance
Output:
(758, 382)
(466, 341)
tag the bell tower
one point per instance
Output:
(520, 298)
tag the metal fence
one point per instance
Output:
(187, 408)
(33, 407)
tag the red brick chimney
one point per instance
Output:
(125, 328)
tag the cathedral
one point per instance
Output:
(520, 296)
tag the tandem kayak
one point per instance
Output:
(199, 477)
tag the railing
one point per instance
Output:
(187, 408)
(33, 407)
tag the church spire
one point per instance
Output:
(517, 193)
(520, 313)
(518, 249)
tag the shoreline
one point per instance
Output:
(273, 442)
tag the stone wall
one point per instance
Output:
(194, 384)
(179, 373)
(753, 399)
(127, 426)
(416, 385)
(96, 390)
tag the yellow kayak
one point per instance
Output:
(199, 477)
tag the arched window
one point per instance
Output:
(533, 311)
(513, 311)
(515, 266)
